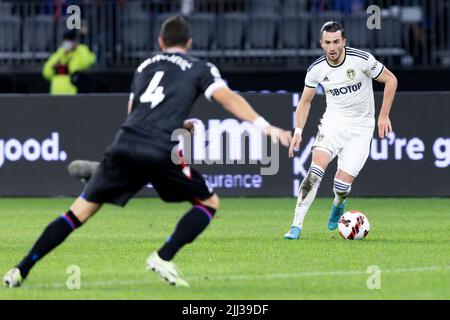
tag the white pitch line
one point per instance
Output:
(85, 284)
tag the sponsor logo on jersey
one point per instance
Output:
(326, 79)
(351, 73)
(345, 90)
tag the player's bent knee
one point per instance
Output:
(344, 176)
(321, 157)
(212, 202)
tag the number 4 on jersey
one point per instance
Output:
(154, 94)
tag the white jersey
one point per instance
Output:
(348, 86)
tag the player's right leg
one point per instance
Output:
(54, 234)
(351, 160)
(308, 190)
(341, 187)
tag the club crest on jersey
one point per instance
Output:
(319, 137)
(351, 73)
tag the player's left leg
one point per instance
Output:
(351, 160)
(174, 184)
(342, 186)
(189, 227)
(54, 234)
(194, 221)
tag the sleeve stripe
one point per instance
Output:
(358, 55)
(361, 52)
(213, 87)
(379, 73)
(310, 86)
(358, 52)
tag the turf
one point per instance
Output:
(240, 256)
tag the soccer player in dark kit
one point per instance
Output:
(163, 91)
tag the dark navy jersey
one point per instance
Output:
(163, 92)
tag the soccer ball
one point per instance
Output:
(353, 225)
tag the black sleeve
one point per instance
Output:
(210, 79)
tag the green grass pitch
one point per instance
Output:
(242, 254)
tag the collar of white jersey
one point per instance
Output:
(340, 64)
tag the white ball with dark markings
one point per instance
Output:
(353, 225)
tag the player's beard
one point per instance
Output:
(336, 56)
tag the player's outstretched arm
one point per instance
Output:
(242, 110)
(301, 115)
(390, 87)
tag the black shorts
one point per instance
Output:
(124, 171)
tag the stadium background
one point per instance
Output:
(262, 47)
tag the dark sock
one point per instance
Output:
(55, 233)
(187, 229)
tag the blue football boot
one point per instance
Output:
(293, 234)
(336, 213)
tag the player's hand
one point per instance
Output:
(279, 135)
(295, 144)
(189, 124)
(384, 126)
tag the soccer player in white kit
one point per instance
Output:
(348, 123)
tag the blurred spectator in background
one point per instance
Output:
(63, 68)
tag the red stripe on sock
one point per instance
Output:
(69, 220)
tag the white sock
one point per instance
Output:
(307, 193)
(341, 191)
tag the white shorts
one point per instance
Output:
(351, 144)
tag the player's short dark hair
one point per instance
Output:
(175, 31)
(332, 26)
